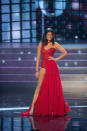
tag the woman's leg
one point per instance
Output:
(40, 80)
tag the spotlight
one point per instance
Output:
(21, 52)
(19, 58)
(75, 5)
(3, 61)
(66, 64)
(75, 63)
(35, 58)
(76, 37)
(33, 22)
(79, 51)
(29, 52)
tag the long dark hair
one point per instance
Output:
(44, 40)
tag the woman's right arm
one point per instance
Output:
(38, 55)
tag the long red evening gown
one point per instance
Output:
(50, 98)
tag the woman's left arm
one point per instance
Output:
(61, 49)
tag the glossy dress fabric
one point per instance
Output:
(50, 99)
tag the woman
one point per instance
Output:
(48, 97)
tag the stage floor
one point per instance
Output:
(75, 120)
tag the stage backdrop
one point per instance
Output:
(25, 20)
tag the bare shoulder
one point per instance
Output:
(59, 47)
(57, 44)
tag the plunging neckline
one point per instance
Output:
(49, 48)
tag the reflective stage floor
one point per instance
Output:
(75, 120)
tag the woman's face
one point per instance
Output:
(49, 36)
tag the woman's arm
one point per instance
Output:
(61, 49)
(38, 55)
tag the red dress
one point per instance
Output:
(50, 98)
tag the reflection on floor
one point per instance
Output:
(17, 86)
(73, 121)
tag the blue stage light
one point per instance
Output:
(76, 37)
(75, 63)
(66, 64)
(21, 52)
(29, 52)
(3, 61)
(79, 51)
(35, 58)
(19, 58)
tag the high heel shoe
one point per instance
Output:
(31, 111)
(28, 112)
(24, 113)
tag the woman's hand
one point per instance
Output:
(51, 58)
(37, 74)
